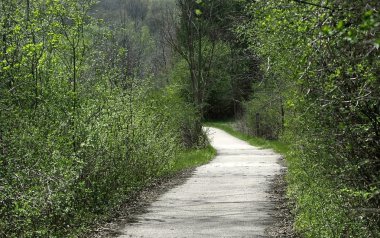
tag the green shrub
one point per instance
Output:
(50, 190)
(263, 117)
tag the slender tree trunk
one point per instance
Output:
(74, 52)
(199, 79)
(257, 124)
(33, 69)
(282, 117)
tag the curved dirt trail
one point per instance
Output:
(225, 198)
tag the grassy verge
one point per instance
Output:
(278, 146)
(193, 158)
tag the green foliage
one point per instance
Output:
(191, 130)
(81, 123)
(218, 66)
(320, 63)
(219, 97)
(263, 115)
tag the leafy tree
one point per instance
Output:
(204, 39)
(320, 61)
(83, 122)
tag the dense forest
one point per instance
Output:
(99, 98)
